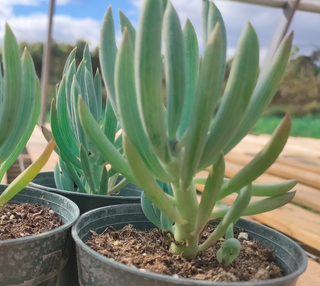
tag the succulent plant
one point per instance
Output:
(167, 144)
(19, 111)
(79, 163)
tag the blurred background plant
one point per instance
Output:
(299, 93)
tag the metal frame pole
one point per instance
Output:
(46, 66)
(306, 7)
(282, 29)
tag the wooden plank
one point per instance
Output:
(36, 145)
(292, 220)
(312, 275)
(281, 170)
(306, 196)
(4, 180)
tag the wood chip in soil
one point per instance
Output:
(21, 220)
(149, 251)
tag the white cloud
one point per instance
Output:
(33, 28)
(264, 20)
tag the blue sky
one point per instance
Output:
(81, 19)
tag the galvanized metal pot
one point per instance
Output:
(97, 270)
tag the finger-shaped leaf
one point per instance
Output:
(24, 112)
(75, 92)
(57, 176)
(149, 212)
(87, 169)
(62, 137)
(214, 17)
(74, 176)
(205, 14)
(192, 73)
(175, 68)
(27, 175)
(12, 85)
(26, 134)
(93, 106)
(262, 161)
(69, 79)
(108, 52)
(1, 87)
(273, 189)
(145, 180)
(229, 251)
(125, 23)
(259, 206)
(235, 100)
(232, 216)
(110, 122)
(128, 109)
(104, 182)
(265, 89)
(87, 57)
(98, 91)
(81, 80)
(148, 76)
(210, 194)
(229, 232)
(70, 59)
(101, 142)
(65, 179)
(207, 95)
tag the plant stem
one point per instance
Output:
(187, 205)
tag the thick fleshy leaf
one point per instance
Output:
(148, 76)
(108, 52)
(74, 176)
(104, 182)
(87, 57)
(98, 91)
(148, 210)
(57, 177)
(75, 92)
(206, 98)
(210, 194)
(93, 105)
(262, 161)
(125, 23)
(12, 85)
(259, 206)
(70, 59)
(214, 17)
(69, 79)
(26, 134)
(25, 109)
(192, 73)
(65, 179)
(265, 89)
(110, 122)
(81, 80)
(87, 169)
(27, 175)
(61, 131)
(232, 216)
(101, 143)
(175, 68)
(241, 83)
(205, 14)
(145, 180)
(128, 109)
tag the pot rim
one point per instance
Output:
(186, 281)
(64, 192)
(49, 233)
